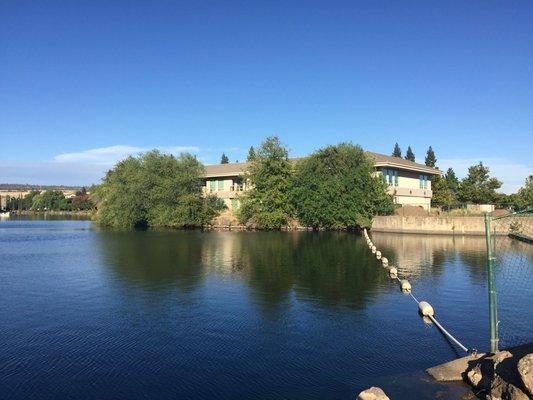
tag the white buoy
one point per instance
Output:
(374, 249)
(405, 285)
(378, 255)
(384, 261)
(425, 309)
(393, 273)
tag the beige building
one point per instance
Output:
(409, 182)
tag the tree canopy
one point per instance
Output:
(224, 159)
(335, 188)
(409, 155)
(524, 197)
(397, 152)
(50, 200)
(430, 160)
(155, 190)
(251, 154)
(478, 187)
(267, 205)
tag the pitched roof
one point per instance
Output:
(380, 160)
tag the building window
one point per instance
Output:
(220, 185)
(391, 177)
(423, 181)
(212, 186)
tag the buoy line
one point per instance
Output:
(426, 310)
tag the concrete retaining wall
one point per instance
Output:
(457, 225)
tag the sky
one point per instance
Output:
(84, 84)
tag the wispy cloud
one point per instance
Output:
(512, 173)
(111, 154)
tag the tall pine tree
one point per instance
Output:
(431, 160)
(224, 159)
(251, 154)
(410, 155)
(397, 152)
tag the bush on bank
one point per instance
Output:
(336, 188)
(267, 205)
(155, 190)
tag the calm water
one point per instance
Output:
(92, 314)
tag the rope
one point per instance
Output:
(437, 324)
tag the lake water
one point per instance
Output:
(94, 314)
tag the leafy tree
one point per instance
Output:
(155, 190)
(50, 200)
(397, 152)
(442, 195)
(478, 187)
(410, 155)
(224, 159)
(524, 197)
(335, 188)
(267, 204)
(431, 160)
(251, 154)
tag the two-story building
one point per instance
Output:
(409, 182)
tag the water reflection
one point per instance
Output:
(328, 267)
(154, 260)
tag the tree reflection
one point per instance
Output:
(154, 259)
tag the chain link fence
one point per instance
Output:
(510, 275)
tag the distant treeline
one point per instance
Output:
(51, 200)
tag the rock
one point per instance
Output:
(525, 369)
(501, 390)
(474, 376)
(374, 393)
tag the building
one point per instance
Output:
(409, 182)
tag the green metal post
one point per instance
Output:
(493, 310)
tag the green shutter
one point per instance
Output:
(212, 186)
(220, 185)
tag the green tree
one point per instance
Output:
(251, 154)
(478, 187)
(224, 159)
(267, 204)
(524, 197)
(335, 188)
(50, 200)
(155, 190)
(397, 152)
(410, 155)
(442, 195)
(451, 180)
(431, 160)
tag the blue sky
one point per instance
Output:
(83, 84)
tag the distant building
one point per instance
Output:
(409, 182)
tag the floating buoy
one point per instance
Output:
(425, 309)
(393, 271)
(405, 285)
(378, 255)
(374, 249)
(384, 261)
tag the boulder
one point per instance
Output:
(374, 393)
(525, 369)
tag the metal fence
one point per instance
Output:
(509, 241)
